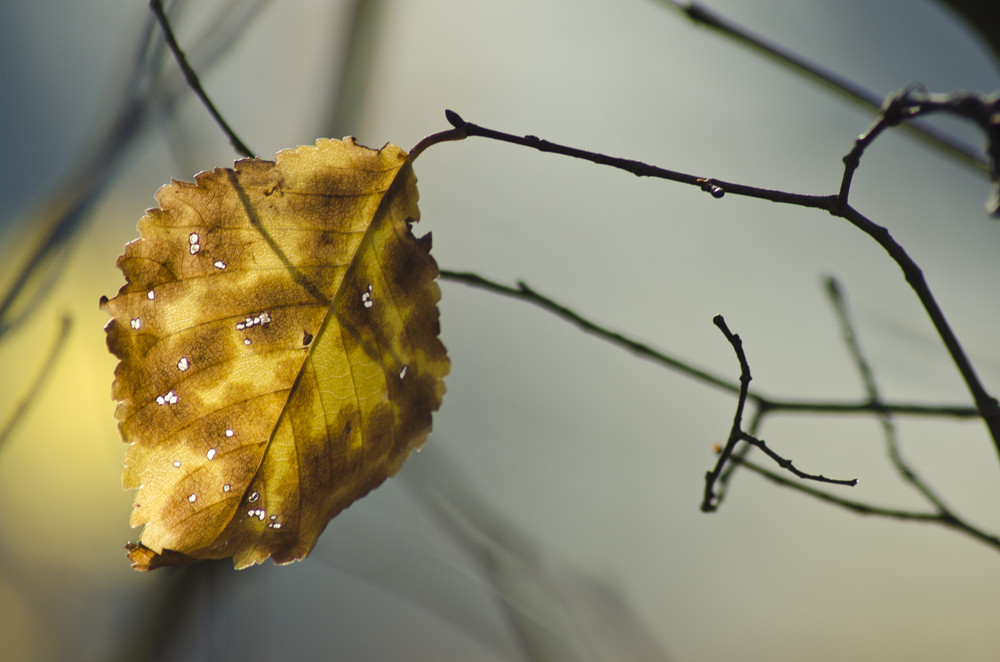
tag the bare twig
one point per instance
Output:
(912, 409)
(788, 466)
(860, 508)
(913, 101)
(987, 405)
(764, 404)
(710, 18)
(525, 293)
(43, 374)
(710, 500)
(741, 452)
(708, 503)
(717, 188)
(192, 79)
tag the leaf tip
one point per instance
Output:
(143, 558)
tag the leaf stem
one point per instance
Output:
(458, 133)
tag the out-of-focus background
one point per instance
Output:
(553, 514)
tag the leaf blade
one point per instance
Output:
(303, 270)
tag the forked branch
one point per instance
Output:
(905, 104)
(764, 404)
(736, 434)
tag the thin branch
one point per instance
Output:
(913, 101)
(867, 509)
(764, 404)
(866, 406)
(987, 405)
(717, 188)
(727, 474)
(36, 386)
(868, 378)
(836, 205)
(741, 452)
(525, 293)
(788, 466)
(708, 503)
(192, 79)
(710, 18)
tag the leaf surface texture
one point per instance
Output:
(278, 336)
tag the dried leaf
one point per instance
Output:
(278, 337)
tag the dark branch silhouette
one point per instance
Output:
(787, 464)
(736, 434)
(943, 516)
(708, 503)
(764, 404)
(192, 79)
(971, 106)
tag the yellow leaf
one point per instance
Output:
(278, 337)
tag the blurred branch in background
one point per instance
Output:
(846, 88)
(151, 92)
(866, 509)
(179, 610)
(983, 18)
(835, 293)
(354, 68)
(65, 325)
(557, 613)
(193, 82)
